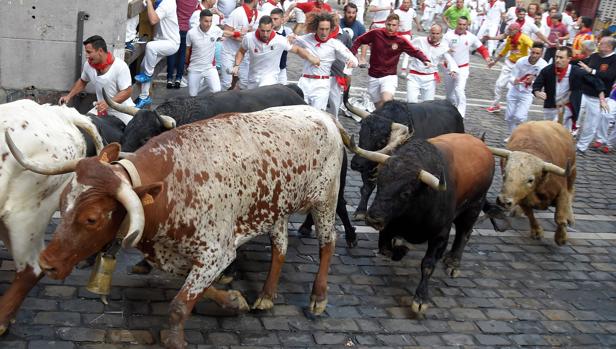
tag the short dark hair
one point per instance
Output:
(557, 16)
(393, 17)
(265, 20)
(463, 17)
(586, 21)
(520, 9)
(350, 5)
(277, 11)
(566, 49)
(97, 42)
(205, 13)
(538, 44)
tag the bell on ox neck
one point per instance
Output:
(100, 279)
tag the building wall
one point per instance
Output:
(37, 39)
(607, 10)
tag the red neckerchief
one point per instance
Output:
(549, 21)
(433, 45)
(560, 73)
(101, 66)
(516, 38)
(273, 2)
(332, 35)
(272, 35)
(403, 10)
(492, 3)
(585, 31)
(250, 13)
(521, 22)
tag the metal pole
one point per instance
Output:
(82, 16)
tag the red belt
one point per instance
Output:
(437, 77)
(315, 76)
(460, 66)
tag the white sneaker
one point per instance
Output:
(184, 82)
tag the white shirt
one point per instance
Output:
(359, 3)
(380, 16)
(494, 13)
(461, 45)
(194, 18)
(562, 87)
(167, 28)
(237, 20)
(406, 19)
(529, 28)
(523, 68)
(436, 54)
(327, 52)
(544, 29)
(203, 46)
(116, 79)
(264, 58)
(266, 9)
(226, 6)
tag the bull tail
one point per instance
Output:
(492, 211)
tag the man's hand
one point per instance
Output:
(491, 62)
(235, 70)
(541, 95)
(453, 74)
(585, 67)
(362, 63)
(101, 107)
(428, 64)
(63, 100)
(314, 60)
(604, 106)
(351, 64)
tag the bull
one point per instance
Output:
(540, 172)
(424, 187)
(205, 189)
(27, 199)
(427, 119)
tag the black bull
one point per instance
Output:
(424, 120)
(146, 124)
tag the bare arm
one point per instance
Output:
(79, 86)
(305, 55)
(152, 15)
(239, 56)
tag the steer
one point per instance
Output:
(206, 188)
(27, 199)
(540, 172)
(427, 119)
(414, 204)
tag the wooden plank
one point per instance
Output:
(135, 7)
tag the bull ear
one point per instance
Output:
(148, 193)
(111, 152)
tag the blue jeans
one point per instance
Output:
(175, 62)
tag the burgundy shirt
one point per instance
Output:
(557, 32)
(313, 6)
(385, 51)
(185, 9)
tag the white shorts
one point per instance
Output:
(376, 86)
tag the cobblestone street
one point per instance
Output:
(512, 292)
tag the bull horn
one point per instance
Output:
(119, 107)
(131, 202)
(557, 170)
(353, 109)
(167, 121)
(349, 142)
(399, 135)
(504, 153)
(35, 166)
(431, 181)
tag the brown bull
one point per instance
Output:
(540, 172)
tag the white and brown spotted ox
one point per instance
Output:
(540, 172)
(28, 199)
(207, 188)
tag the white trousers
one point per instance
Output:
(154, 52)
(199, 80)
(455, 89)
(503, 81)
(604, 125)
(316, 91)
(428, 17)
(227, 61)
(377, 86)
(335, 97)
(282, 76)
(518, 104)
(420, 88)
(489, 28)
(552, 114)
(404, 56)
(591, 123)
(360, 14)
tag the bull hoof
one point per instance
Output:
(536, 234)
(3, 329)
(418, 309)
(560, 237)
(317, 307)
(452, 266)
(237, 302)
(141, 268)
(359, 216)
(224, 279)
(175, 341)
(398, 252)
(263, 303)
(305, 232)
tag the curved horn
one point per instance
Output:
(167, 121)
(430, 180)
(557, 170)
(119, 107)
(131, 202)
(504, 153)
(399, 135)
(349, 142)
(35, 166)
(353, 109)
(92, 131)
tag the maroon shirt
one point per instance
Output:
(385, 51)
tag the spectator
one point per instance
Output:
(558, 35)
(277, 16)
(175, 62)
(350, 23)
(451, 15)
(584, 34)
(201, 47)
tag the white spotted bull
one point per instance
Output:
(27, 199)
(206, 188)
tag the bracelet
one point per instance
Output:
(236, 34)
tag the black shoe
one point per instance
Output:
(176, 85)
(169, 84)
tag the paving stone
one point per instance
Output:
(222, 338)
(50, 345)
(259, 338)
(81, 334)
(458, 339)
(491, 340)
(130, 336)
(57, 318)
(58, 291)
(13, 344)
(428, 341)
(395, 340)
(468, 314)
(557, 315)
(528, 339)
(322, 338)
